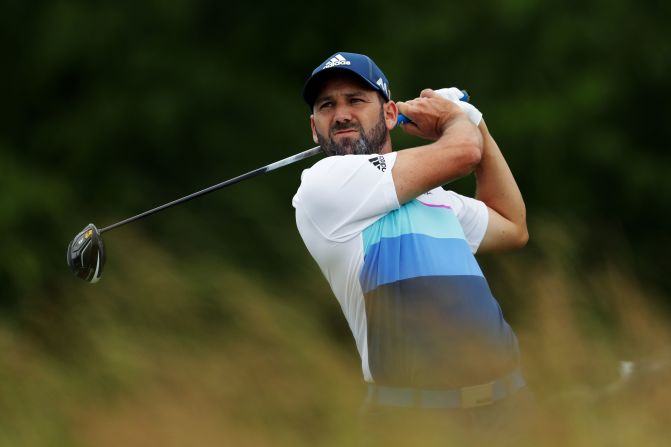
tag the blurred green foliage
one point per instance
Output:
(111, 108)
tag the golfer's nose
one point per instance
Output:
(343, 113)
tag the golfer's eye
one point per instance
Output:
(325, 105)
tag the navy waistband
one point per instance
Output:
(465, 397)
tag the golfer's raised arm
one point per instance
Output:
(455, 152)
(496, 187)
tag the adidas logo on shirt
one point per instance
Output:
(378, 162)
(336, 60)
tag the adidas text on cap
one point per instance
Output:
(358, 64)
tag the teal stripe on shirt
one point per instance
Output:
(414, 217)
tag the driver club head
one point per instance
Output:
(86, 254)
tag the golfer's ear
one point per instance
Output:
(314, 130)
(390, 114)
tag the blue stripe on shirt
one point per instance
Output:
(415, 255)
(414, 217)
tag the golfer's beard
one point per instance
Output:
(367, 143)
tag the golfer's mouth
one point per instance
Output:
(346, 132)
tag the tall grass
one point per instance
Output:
(172, 353)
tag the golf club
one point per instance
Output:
(86, 252)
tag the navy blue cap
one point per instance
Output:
(358, 64)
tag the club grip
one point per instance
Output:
(402, 119)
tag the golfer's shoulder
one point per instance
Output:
(342, 180)
(322, 168)
(335, 163)
(336, 170)
(319, 181)
(337, 166)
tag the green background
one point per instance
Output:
(111, 108)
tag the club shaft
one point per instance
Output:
(271, 167)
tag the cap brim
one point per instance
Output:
(314, 82)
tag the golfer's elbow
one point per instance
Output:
(522, 236)
(511, 238)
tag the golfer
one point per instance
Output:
(398, 250)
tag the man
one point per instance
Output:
(397, 249)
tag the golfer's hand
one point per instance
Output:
(431, 115)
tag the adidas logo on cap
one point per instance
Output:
(336, 60)
(383, 85)
(358, 64)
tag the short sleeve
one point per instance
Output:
(342, 195)
(472, 215)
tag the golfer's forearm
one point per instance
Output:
(495, 184)
(455, 154)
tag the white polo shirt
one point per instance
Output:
(405, 276)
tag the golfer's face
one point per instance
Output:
(345, 114)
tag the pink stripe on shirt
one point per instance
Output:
(435, 206)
